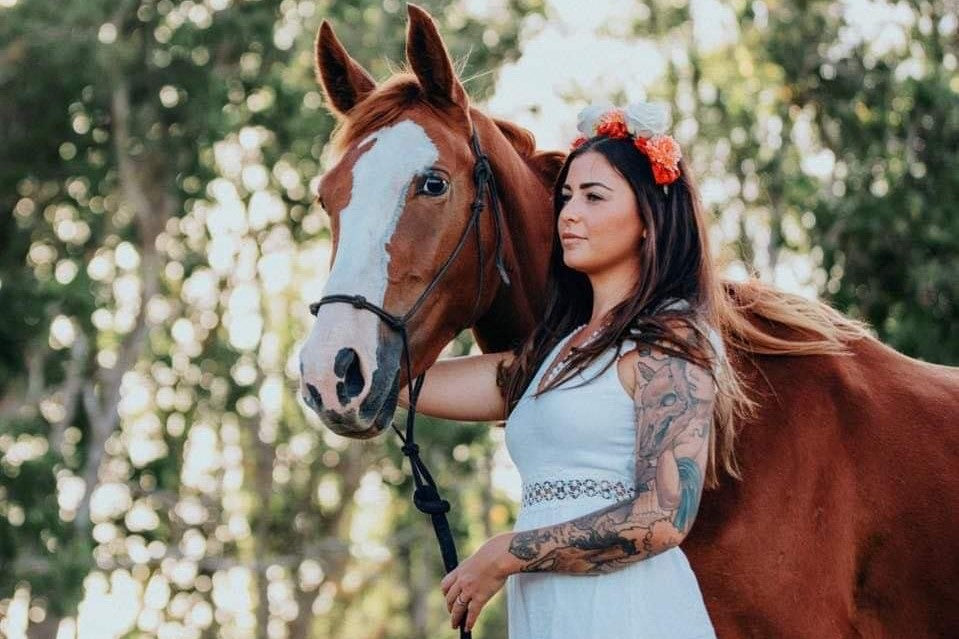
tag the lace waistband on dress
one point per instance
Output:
(556, 489)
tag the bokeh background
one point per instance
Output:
(159, 476)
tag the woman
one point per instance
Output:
(613, 466)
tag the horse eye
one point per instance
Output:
(434, 186)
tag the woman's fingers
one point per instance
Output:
(472, 615)
(451, 596)
(448, 580)
(470, 612)
(459, 612)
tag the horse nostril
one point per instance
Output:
(317, 402)
(347, 367)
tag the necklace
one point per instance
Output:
(555, 368)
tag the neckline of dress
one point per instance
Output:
(551, 358)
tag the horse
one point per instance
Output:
(844, 521)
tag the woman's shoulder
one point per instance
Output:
(702, 325)
(634, 330)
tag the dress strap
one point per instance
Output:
(715, 339)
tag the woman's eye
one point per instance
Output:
(434, 186)
(592, 197)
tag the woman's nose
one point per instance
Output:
(569, 212)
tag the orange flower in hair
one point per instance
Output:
(664, 155)
(613, 124)
(578, 142)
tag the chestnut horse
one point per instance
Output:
(844, 524)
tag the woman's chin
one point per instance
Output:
(574, 263)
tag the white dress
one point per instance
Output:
(574, 449)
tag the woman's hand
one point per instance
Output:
(476, 580)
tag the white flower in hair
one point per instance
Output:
(643, 119)
(646, 119)
(588, 118)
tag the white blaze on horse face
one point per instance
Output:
(381, 178)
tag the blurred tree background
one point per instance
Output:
(158, 246)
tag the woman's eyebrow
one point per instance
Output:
(586, 185)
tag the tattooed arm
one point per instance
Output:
(674, 406)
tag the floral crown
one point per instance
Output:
(645, 122)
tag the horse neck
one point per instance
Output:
(525, 200)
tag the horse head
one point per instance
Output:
(400, 195)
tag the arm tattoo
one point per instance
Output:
(674, 404)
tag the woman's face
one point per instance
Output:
(600, 208)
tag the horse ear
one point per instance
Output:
(548, 164)
(430, 61)
(343, 79)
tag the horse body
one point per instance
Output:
(843, 523)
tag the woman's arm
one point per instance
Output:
(461, 388)
(674, 408)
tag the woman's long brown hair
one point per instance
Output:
(675, 263)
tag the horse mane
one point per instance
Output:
(384, 106)
(521, 138)
(788, 323)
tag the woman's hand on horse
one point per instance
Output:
(476, 580)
